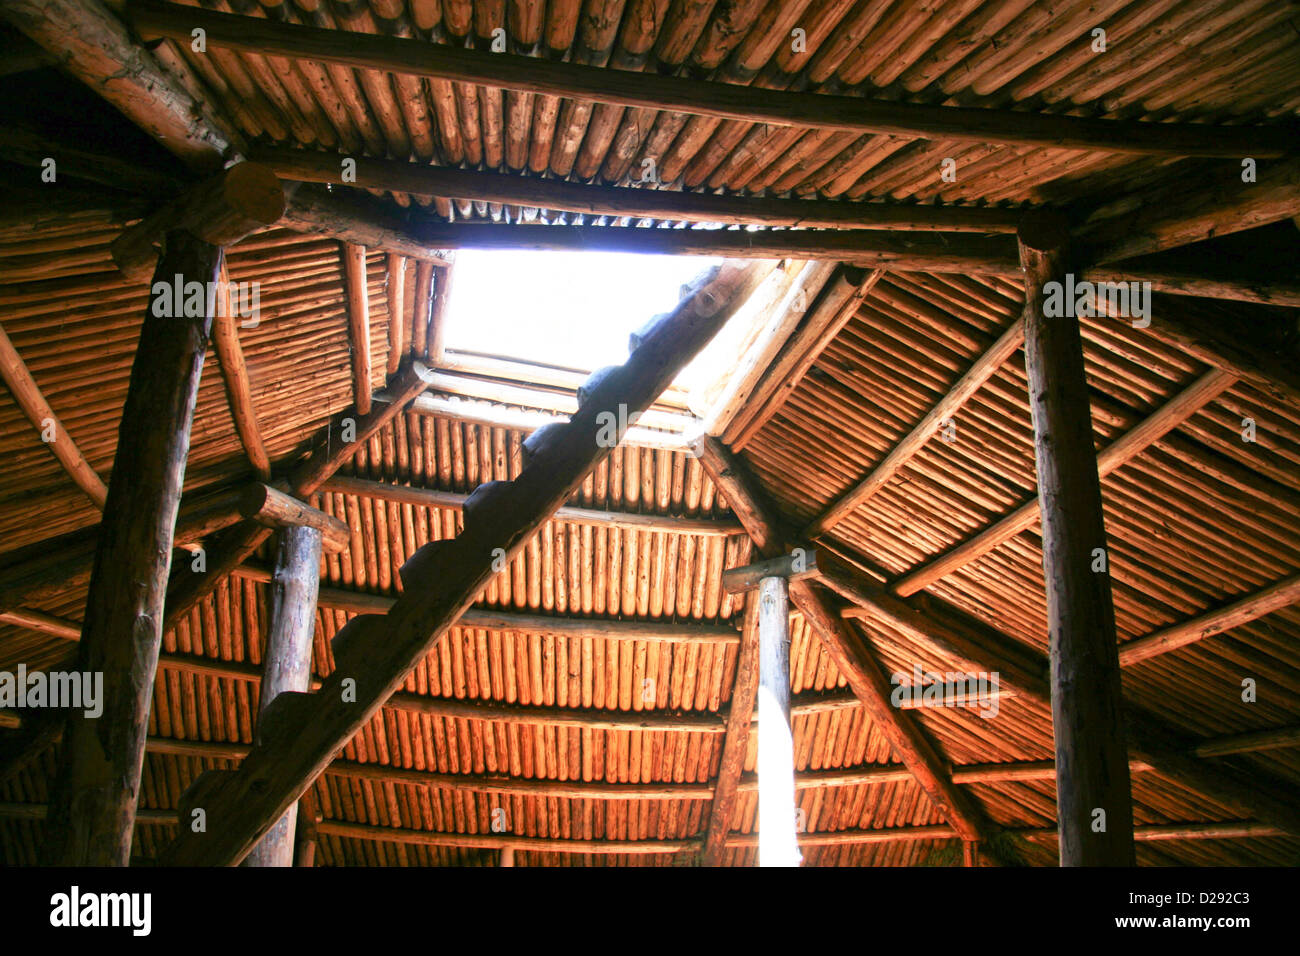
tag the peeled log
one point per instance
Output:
(221, 210)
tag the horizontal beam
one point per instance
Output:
(1272, 598)
(455, 501)
(619, 201)
(1132, 443)
(700, 97)
(500, 416)
(795, 566)
(349, 219)
(921, 252)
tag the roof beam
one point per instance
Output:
(635, 521)
(38, 411)
(234, 372)
(1241, 611)
(833, 309)
(91, 43)
(356, 284)
(374, 654)
(350, 219)
(1165, 419)
(921, 251)
(845, 646)
(1175, 216)
(620, 201)
(983, 369)
(700, 97)
(951, 632)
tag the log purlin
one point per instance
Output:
(701, 97)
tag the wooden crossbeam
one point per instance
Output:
(921, 252)
(634, 521)
(700, 97)
(1216, 830)
(1162, 220)
(983, 369)
(355, 283)
(374, 654)
(349, 219)
(1132, 443)
(616, 201)
(1216, 621)
(38, 411)
(234, 372)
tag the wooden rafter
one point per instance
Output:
(1169, 416)
(983, 369)
(356, 283)
(834, 307)
(951, 632)
(1162, 221)
(615, 201)
(234, 372)
(700, 97)
(30, 399)
(430, 498)
(373, 654)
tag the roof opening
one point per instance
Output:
(570, 310)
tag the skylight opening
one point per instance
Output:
(571, 310)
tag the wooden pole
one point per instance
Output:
(29, 398)
(1094, 806)
(354, 274)
(777, 835)
(93, 802)
(294, 587)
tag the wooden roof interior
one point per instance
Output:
(586, 742)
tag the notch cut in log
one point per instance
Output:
(93, 802)
(221, 211)
(274, 508)
(1094, 805)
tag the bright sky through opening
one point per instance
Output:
(571, 309)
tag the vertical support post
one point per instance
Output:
(1094, 803)
(778, 843)
(93, 803)
(507, 856)
(295, 585)
(304, 839)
